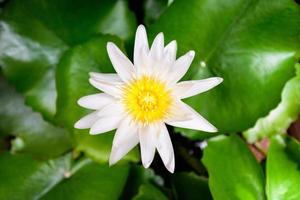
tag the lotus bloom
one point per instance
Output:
(143, 97)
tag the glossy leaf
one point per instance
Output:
(149, 192)
(24, 178)
(91, 181)
(189, 186)
(33, 134)
(283, 172)
(251, 44)
(29, 55)
(233, 171)
(280, 118)
(72, 84)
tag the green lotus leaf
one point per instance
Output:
(32, 133)
(233, 171)
(251, 44)
(283, 172)
(281, 117)
(60, 178)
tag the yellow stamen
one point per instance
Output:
(147, 99)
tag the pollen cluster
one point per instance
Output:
(147, 99)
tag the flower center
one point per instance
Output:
(147, 99)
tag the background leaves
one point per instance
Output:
(48, 47)
(32, 134)
(30, 55)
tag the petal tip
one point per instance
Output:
(92, 74)
(220, 80)
(160, 34)
(191, 53)
(110, 46)
(212, 130)
(93, 132)
(78, 125)
(171, 166)
(81, 101)
(146, 164)
(141, 27)
(171, 169)
(112, 161)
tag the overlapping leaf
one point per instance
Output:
(34, 34)
(280, 118)
(283, 169)
(33, 134)
(235, 174)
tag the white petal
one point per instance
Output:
(119, 152)
(125, 139)
(111, 109)
(197, 122)
(171, 50)
(140, 44)
(95, 101)
(165, 149)
(127, 128)
(87, 121)
(181, 66)
(105, 77)
(187, 89)
(106, 124)
(178, 113)
(148, 138)
(144, 65)
(113, 88)
(157, 48)
(121, 63)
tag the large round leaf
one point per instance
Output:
(91, 181)
(283, 172)
(233, 171)
(33, 134)
(25, 178)
(35, 33)
(72, 83)
(252, 44)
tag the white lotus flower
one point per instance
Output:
(144, 96)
